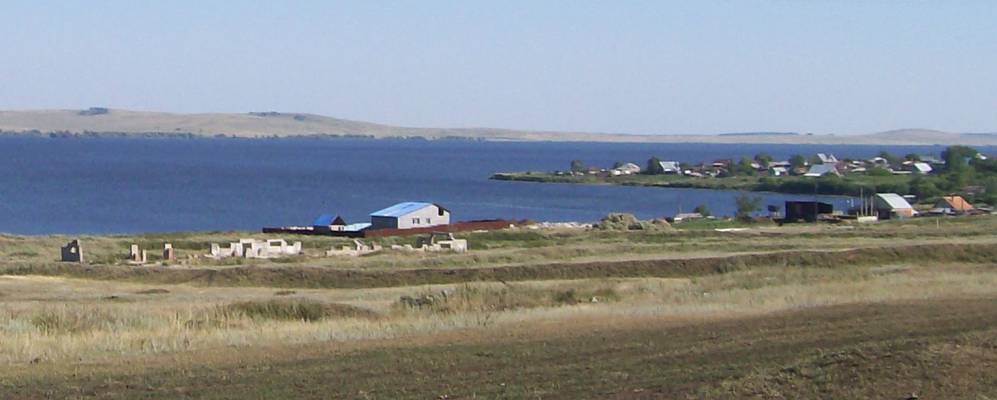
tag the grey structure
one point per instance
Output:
(410, 215)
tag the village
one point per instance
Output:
(961, 181)
(821, 164)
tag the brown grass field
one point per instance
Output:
(892, 310)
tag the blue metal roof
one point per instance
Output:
(328, 219)
(400, 209)
(323, 220)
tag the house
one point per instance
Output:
(626, 169)
(806, 210)
(821, 170)
(953, 205)
(879, 162)
(686, 216)
(827, 158)
(889, 205)
(410, 215)
(921, 168)
(327, 223)
(778, 171)
(670, 167)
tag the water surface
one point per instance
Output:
(160, 185)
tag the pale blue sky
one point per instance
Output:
(612, 66)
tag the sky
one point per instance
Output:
(653, 67)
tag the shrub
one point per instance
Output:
(619, 222)
(746, 206)
(878, 172)
(295, 310)
(278, 310)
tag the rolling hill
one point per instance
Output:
(114, 122)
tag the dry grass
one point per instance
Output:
(51, 319)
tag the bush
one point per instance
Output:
(619, 222)
(878, 172)
(295, 310)
(746, 206)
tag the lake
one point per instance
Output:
(89, 185)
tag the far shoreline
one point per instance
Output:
(612, 138)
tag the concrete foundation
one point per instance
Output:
(357, 249)
(442, 242)
(252, 248)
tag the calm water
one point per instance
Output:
(157, 185)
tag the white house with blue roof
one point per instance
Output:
(410, 215)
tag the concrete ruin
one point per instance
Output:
(136, 255)
(252, 248)
(73, 252)
(441, 242)
(168, 253)
(357, 249)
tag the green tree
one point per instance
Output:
(923, 188)
(743, 167)
(797, 161)
(890, 158)
(763, 158)
(878, 171)
(957, 157)
(912, 157)
(958, 173)
(654, 167)
(985, 167)
(746, 206)
(703, 210)
(577, 166)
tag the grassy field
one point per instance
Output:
(809, 311)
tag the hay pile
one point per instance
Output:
(628, 222)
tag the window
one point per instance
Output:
(415, 221)
(429, 221)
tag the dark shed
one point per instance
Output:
(806, 210)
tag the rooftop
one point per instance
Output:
(328, 219)
(894, 200)
(400, 209)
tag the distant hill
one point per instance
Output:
(759, 134)
(98, 121)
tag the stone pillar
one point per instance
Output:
(134, 254)
(168, 253)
